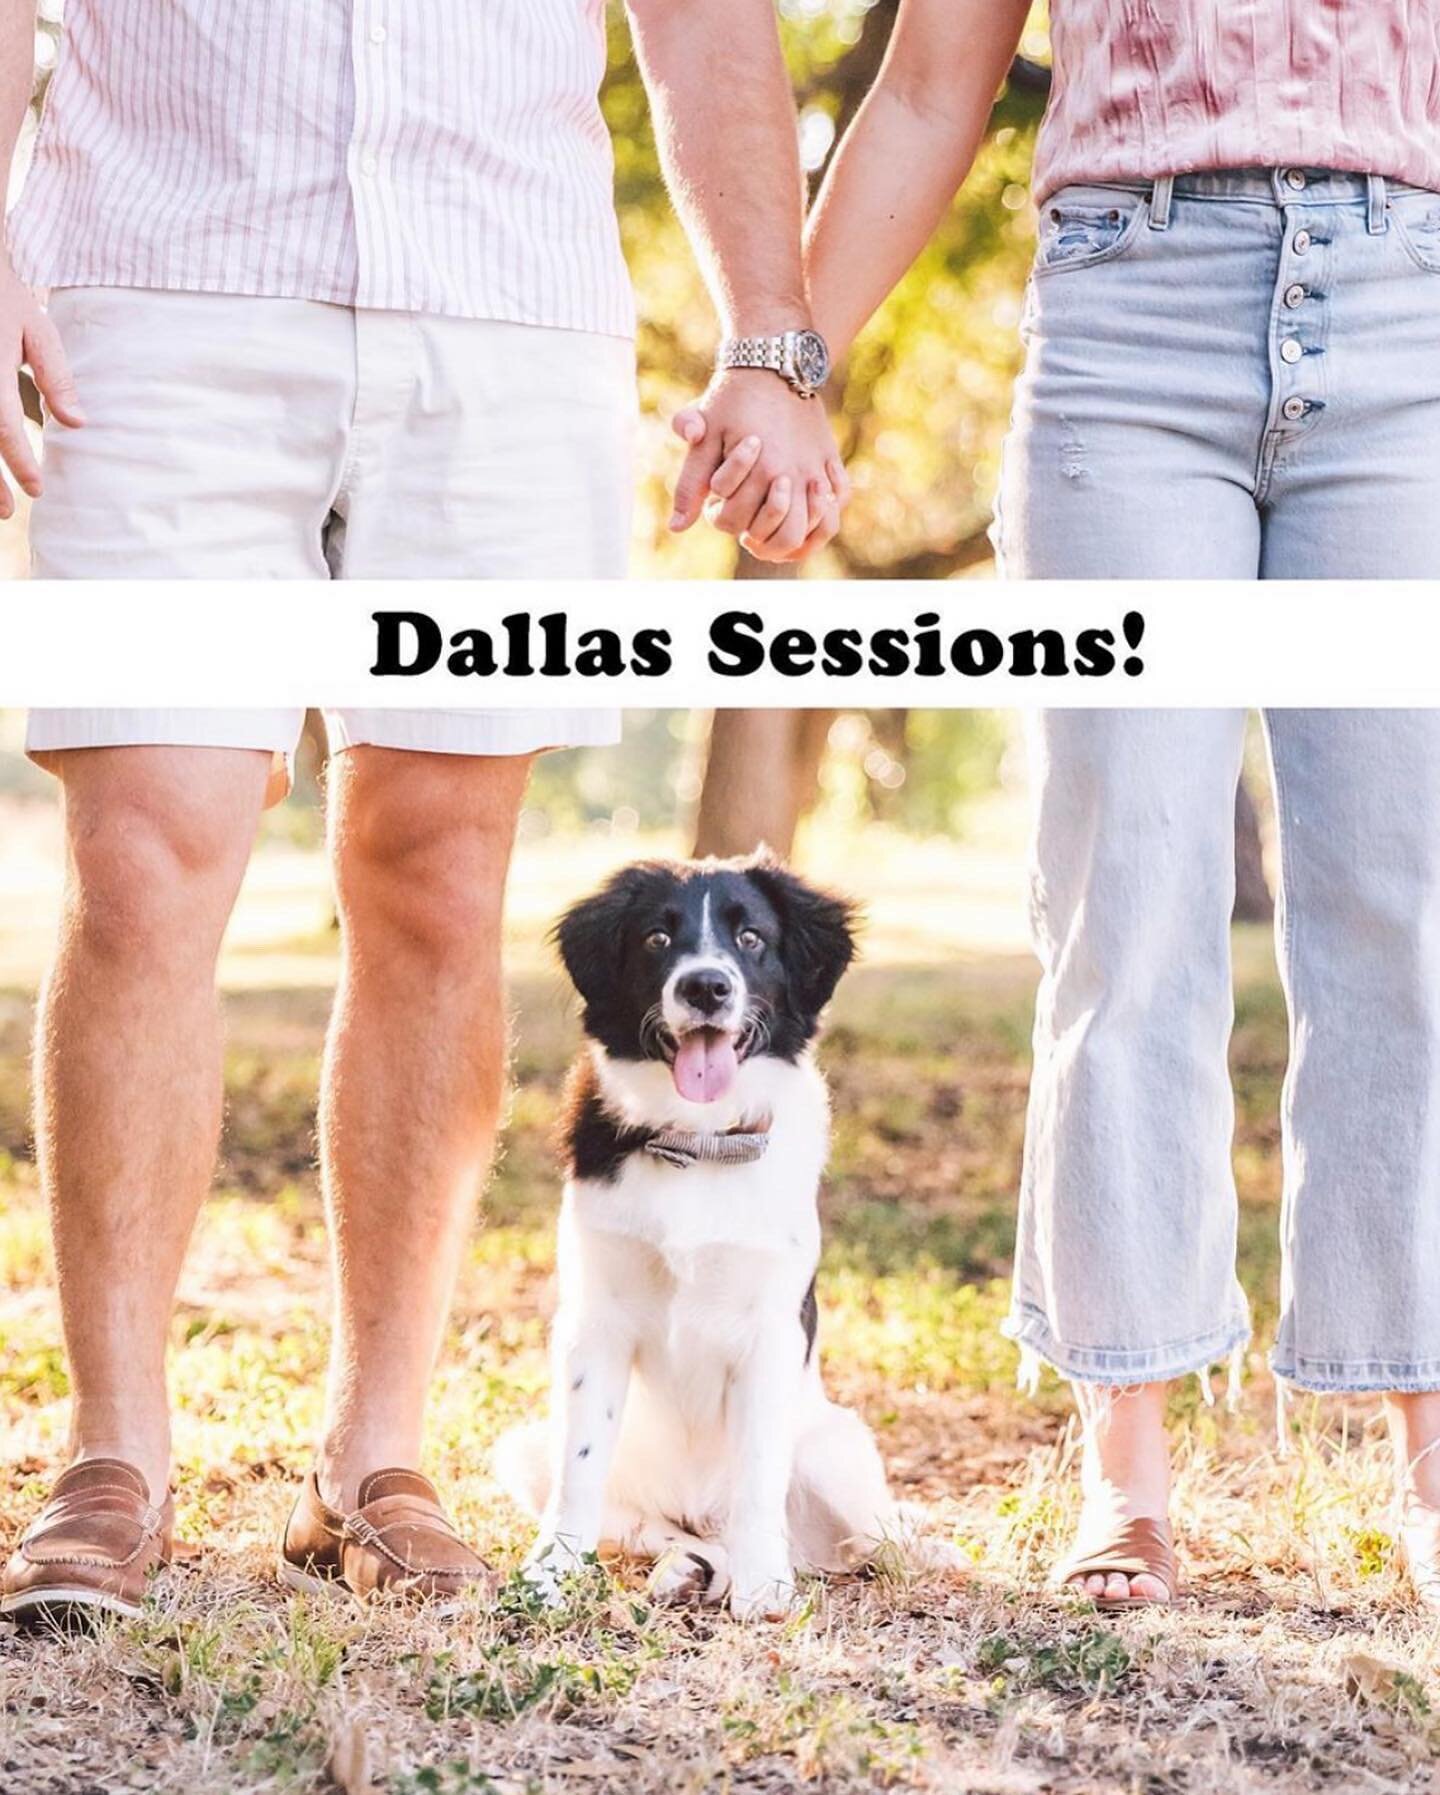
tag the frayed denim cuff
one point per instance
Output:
(1030, 1330)
(1354, 1377)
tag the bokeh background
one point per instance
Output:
(920, 407)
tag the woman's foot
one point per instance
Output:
(1415, 1431)
(1125, 1480)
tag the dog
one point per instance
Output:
(689, 1423)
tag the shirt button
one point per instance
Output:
(1295, 179)
(1295, 295)
(369, 166)
(378, 34)
(1301, 242)
(1291, 351)
(1294, 409)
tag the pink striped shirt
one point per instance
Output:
(443, 156)
(1145, 89)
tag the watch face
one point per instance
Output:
(812, 358)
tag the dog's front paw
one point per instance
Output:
(762, 1583)
(548, 1566)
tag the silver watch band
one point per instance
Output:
(753, 352)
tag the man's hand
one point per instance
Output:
(762, 466)
(28, 337)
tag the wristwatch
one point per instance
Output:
(800, 357)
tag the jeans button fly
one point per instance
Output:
(1295, 179)
(1295, 296)
(1293, 409)
(1291, 351)
(1301, 242)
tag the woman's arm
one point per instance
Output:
(905, 155)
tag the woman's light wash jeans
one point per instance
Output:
(1125, 1265)
(1229, 375)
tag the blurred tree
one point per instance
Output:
(762, 772)
(917, 770)
(1253, 899)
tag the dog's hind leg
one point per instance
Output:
(521, 1465)
(685, 1567)
(840, 1510)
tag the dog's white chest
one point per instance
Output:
(686, 1213)
(767, 1205)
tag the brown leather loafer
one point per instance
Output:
(398, 1541)
(91, 1547)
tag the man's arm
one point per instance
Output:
(725, 121)
(26, 334)
(906, 154)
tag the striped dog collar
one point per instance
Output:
(688, 1147)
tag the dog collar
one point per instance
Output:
(689, 1147)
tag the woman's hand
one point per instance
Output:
(762, 466)
(27, 337)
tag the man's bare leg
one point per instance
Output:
(413, 1078)
(128, 1071)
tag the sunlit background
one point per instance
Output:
(935, 796)
(922, 404)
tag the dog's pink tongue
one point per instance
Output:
(705, 1065)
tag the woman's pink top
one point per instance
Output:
(1153, 87)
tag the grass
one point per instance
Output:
(1297, 1662)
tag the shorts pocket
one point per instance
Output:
(1081, 227)
(1416, 218)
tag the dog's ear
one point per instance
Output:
(818, 927)
(589, 934)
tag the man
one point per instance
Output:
(337, 291)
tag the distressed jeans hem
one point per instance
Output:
(1355, 1377)
(1031, 1332)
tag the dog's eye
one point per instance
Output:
(657, 941)
(751, 940)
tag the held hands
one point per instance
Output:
(28, 336)
(762, 465)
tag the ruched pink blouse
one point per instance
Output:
(1152, 87)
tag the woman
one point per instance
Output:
(1233, 371)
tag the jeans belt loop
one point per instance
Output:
(1161, 195)
(1375, 191)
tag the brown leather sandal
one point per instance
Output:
(1137, 1548)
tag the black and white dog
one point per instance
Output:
(689, 1424)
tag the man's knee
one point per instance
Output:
(423, 847)
(156, 857)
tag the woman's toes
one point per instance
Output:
(1148, 1589)
(1117, 1587)
(1095, 1586)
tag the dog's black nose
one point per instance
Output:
(705, 992)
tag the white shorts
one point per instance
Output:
(277, 732)
(290, 439)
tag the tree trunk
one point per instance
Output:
(1253, 902)
(762, 772)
